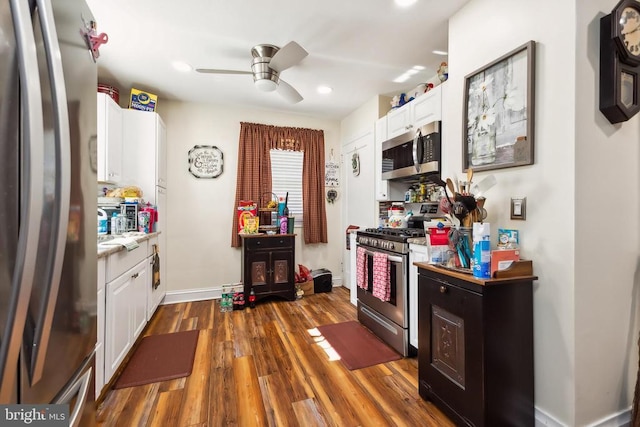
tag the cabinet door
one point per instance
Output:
(101, 320)
(118, 336)
(399, 121)
(353, 287)
(427, 108)
(140, 280)
(417, 253)
(259, 270)
(109, 140)
(281, 270)
(451, 358)
(382, 192)
(161, 154)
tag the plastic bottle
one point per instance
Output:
(122, 223)
(115, 228)
(252, 299)
(102, 221)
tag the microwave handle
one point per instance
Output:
(416, 140)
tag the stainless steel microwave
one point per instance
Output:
(412, 154)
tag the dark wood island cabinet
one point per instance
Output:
(476, 363)
(268, 264)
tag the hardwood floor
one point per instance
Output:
(262, 367)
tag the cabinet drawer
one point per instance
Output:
(122, 261)
(268, 243)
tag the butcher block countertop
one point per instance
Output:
(517, 273)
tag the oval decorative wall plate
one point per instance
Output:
(205, 161)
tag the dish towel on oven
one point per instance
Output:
(381, 280)
(361, 267)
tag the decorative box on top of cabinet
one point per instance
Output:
(268, 263)
(475, 360)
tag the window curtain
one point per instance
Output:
(254, 172)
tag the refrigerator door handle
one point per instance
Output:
(78, 391)
(62, 187)
(31, 198)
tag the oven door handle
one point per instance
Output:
(390, 257)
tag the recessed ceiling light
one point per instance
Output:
(401, 79)
(405, 3)
(181, 66)
(418, 67)
(324, 90)
(440, 52)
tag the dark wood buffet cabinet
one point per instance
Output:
(268, 264)
(475, 359)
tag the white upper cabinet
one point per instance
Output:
(427, 107)
(109, 146)
(145, 164)
(424, 109)
(382, 187)
(399, 121)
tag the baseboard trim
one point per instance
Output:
(191, 295)
(619, 419)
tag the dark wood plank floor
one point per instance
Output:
(265, 367)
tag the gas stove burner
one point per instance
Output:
(396, 232)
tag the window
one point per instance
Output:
(286, 176)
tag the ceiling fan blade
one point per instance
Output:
(289, 55)
(213, 71)
(288, 92)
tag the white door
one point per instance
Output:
(359, 201)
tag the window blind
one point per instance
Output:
(286, 176)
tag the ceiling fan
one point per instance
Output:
(268, 62)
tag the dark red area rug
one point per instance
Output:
(356, 345)
(160, 358)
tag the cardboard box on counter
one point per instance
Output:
(502, 259)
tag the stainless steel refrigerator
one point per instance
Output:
(48, 85)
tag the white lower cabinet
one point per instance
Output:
(100, 341)
(119, 337)
(417, 253)
(353, 286)
(122, 307)
(155, 294)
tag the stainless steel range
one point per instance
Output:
(389, 320)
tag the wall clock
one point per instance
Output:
(620, 62)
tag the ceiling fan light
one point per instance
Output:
(265, 85)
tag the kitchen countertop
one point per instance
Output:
(104, 250)
(417, 241)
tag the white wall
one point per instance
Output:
(607, 269)
(585, 320)
(200, 212)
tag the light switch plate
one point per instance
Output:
(519, 208)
